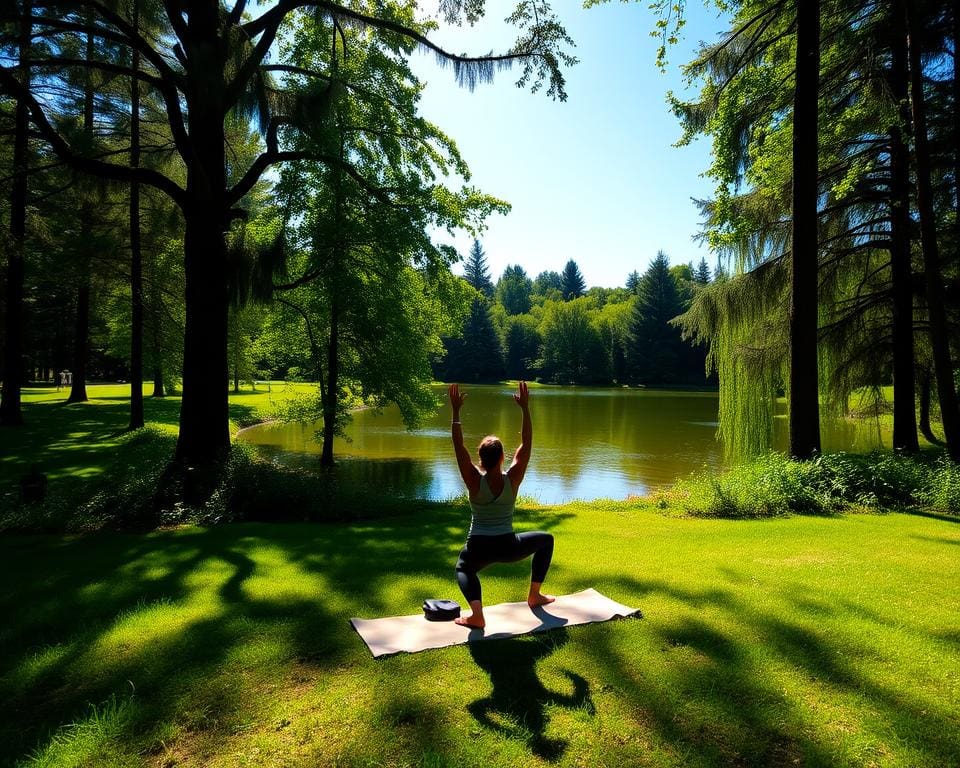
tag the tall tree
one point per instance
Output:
(573, 286)
(633, 281)
(702, 275)
(10, 413)
(655, 349)
(219, 64)
(475, 270)
(939, 332)
(804, 240)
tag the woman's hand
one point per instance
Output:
(456, 398)
(522, 397)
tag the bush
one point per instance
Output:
(774, 484)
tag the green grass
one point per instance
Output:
(87, 453)
(795, 641)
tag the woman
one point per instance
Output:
(493, 494)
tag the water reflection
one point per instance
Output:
(588, 443)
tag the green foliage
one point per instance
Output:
(546, 282)
(475, 271)
(477, 355)
(572, 349)
(514, 289)
(655, 348)
(572, 284)
(772, 484)
(521, 344)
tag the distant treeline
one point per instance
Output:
(554, 329)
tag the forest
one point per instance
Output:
(328, 187)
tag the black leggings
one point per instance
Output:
(481, 551)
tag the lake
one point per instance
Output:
(588, 443)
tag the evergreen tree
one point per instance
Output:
(573, 286)
(514, 289)
(655, 351)
(702, 275)
(633, 281)
(477, 356)
(475, 270)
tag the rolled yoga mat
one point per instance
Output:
(410, 634)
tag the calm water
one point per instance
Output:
(588, 443)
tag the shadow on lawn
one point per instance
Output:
(517, 706)
(712, 701)
(69, 594)
(712, 704)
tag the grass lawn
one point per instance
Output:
(81, 440)
(797, 641)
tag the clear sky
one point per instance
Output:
(596, 178)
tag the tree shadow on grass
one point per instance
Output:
(69, 598)
(516, 708)
(714, 701)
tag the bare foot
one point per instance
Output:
(534, 600)
(470, 621)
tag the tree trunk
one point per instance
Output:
(136, 256)
(158, 390)
(804, 401)
(925, 429)
(81, 341)
(204, 427)
(11, 413)
(333, 386)
(236, 380)
(81, 336)
(939, 332)
(904, 393)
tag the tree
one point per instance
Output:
(521, 343)
(476, 356)
(572, 284)
(10, 413)
(573, 352)
(655, 349)
(220, 64)
(938, 328)
(702, 275)
(514, 289)
(633, 281)
(804, 392)
(475, 270)
(546, 282)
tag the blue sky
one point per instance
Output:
(596, 178)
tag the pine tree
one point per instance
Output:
(654, 353)
(475, 270)
(477, 356)
(633, 281)
(573, 286)
(702, 275)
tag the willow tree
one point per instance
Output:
(864, 302)
(212, 59)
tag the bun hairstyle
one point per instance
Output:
(491, 452)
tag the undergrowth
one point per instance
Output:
(773, 485)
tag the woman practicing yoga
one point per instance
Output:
(493, 494)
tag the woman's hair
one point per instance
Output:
(491, 451)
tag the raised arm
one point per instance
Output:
(469, 473)
(522, 457)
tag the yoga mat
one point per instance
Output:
(409, 634)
